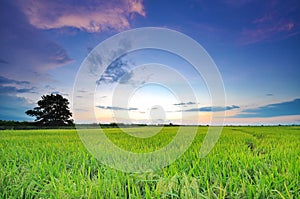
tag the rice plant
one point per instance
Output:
(246, 162)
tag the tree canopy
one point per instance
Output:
(52, 110)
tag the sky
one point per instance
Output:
(254, 44)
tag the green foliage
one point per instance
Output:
(52, 110)
(55, 164)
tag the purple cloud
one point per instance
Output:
(25, 50)
(90, 16)
(279, 21)
(266, 32)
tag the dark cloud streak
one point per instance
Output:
(185, 103)
(213, 109)
(13, 108)
(117, 108)
(4, 80)
(2, 61)
(272, 110)
(12, 89)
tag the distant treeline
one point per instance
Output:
(119, 125)
(9, 124)
(16, 125)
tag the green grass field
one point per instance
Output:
(246, 162)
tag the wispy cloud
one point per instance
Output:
(81, 110)
(116, 108)
(12, 89)
(90, 16)
(2, 61)
(266, 32)
(13, 108)
(213, 109)
(272, 110)
(4, 80)
(279, 21)
(58, 92)
(10, 86)
(117, 71)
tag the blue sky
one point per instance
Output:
(255, 45)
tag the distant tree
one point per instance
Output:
(52, 110)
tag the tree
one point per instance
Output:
(52, 110)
